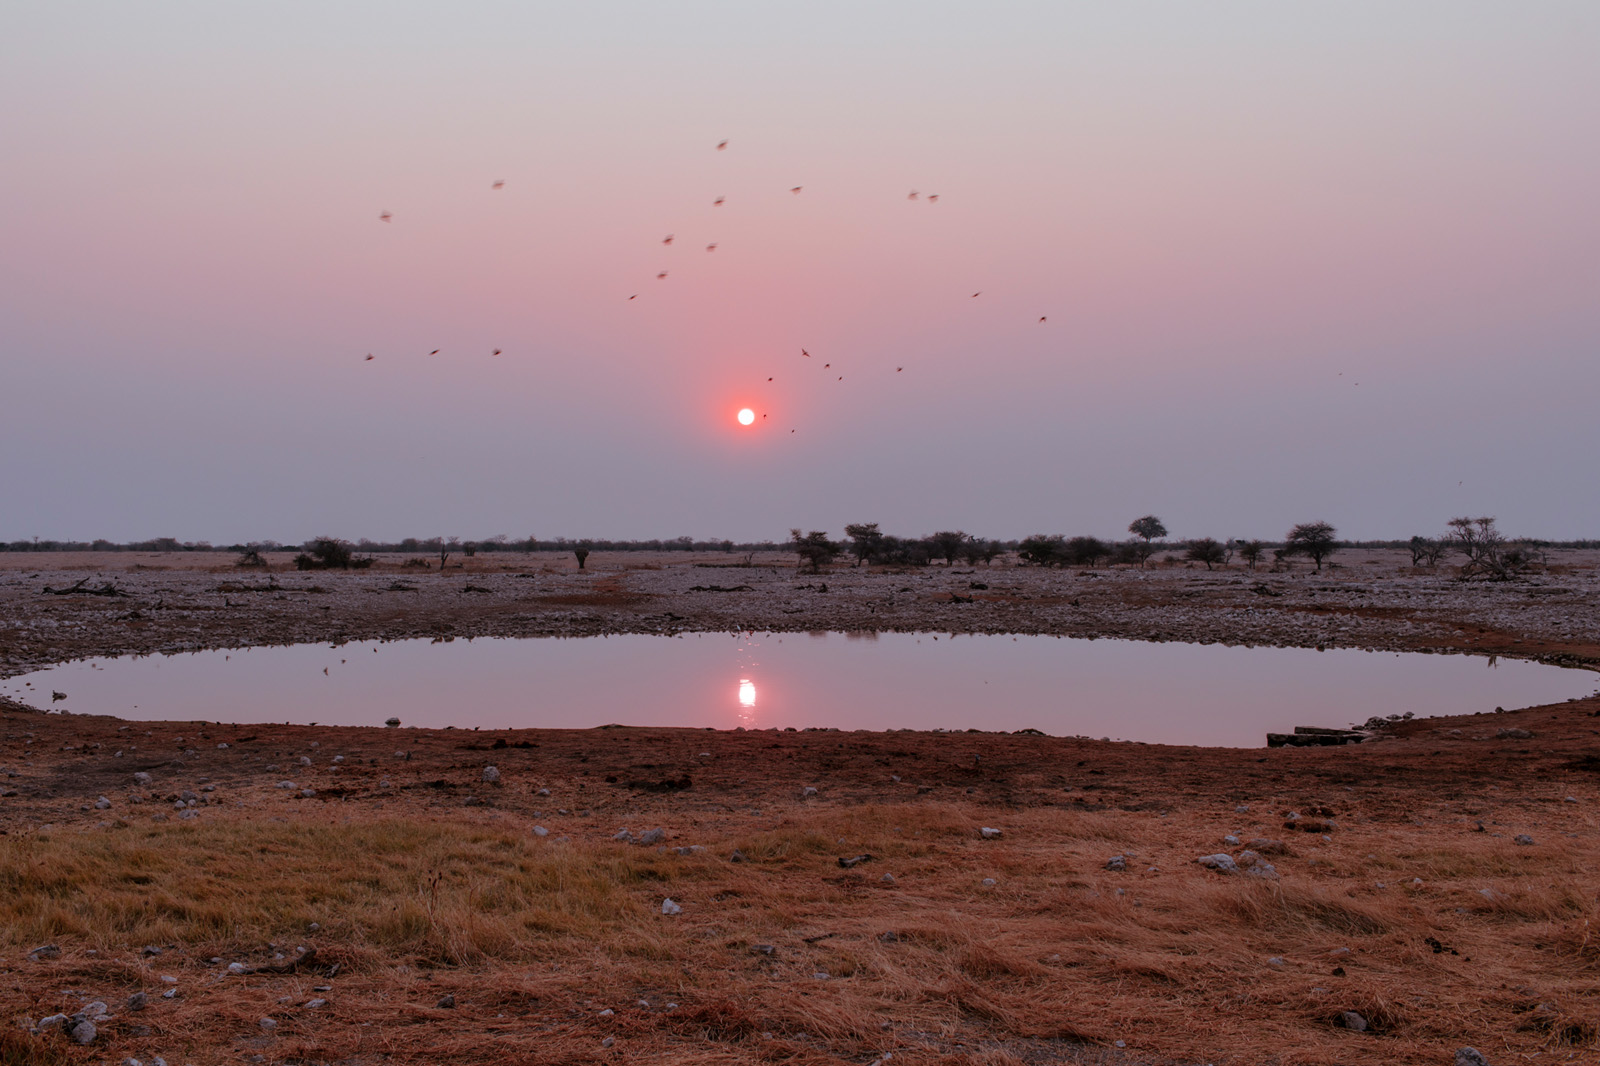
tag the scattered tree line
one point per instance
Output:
(1487, 553)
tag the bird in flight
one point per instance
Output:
(635, 296)
(661, 275)
(436, 351)
(769, 379)
(805, 353)
(796, 189)
(369, 357)
(495, 352)
(498, 185)
(667, 239)
(384, 216)
(721, 145)
(976, 295)
(718, 201)
(934, 198)
(711, 247)
(898, 369)
(1041, 318)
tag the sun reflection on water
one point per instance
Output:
(747, 692)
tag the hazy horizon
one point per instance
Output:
(1295, 263)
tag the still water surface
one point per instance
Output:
(1165, 693)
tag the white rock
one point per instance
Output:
(285, 784)
(142, 778)
(268, 1024)
(305, 760)
(669, 907)
(540, 831)
(102, 804)
(1221, 862)
(491, 774)
(237, 967)
(989, 833)
(808, 791)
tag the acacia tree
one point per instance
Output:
(1205, 550)
(865, 540)
(1315, 539)
(813, 547)
(1487, 550)
(1148, 529)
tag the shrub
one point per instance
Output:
(1426, 551)
(329, 553)
(1043, 550)
(947, 545)
(1085, 551)
(1250, 551)
(251, 557)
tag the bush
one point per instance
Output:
(1250, 551)
(947, 545)
(1426, 551)
(1085, 551)
(1043, 550)
(329, 553)
(251, 558)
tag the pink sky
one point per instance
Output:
(1231, 215)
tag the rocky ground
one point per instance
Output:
(186, 601)
(288, 894)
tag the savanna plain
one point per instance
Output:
(811, 896)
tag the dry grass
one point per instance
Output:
(1052, 963)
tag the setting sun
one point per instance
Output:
(746, 416)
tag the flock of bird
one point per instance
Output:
(722, 146)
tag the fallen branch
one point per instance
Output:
(108, 589)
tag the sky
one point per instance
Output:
(1240, 265)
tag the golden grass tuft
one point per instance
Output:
(434, 892)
